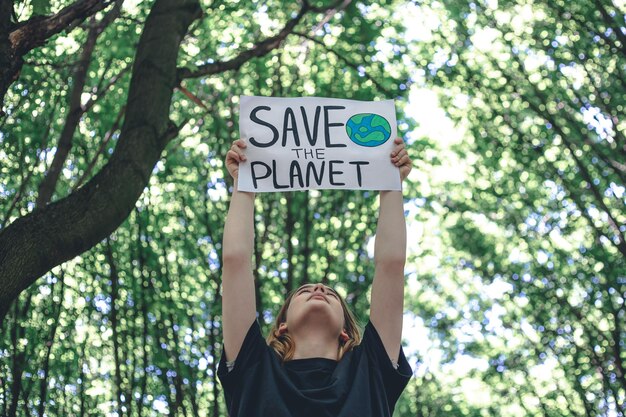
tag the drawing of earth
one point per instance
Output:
(368, 129)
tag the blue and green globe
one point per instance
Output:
(368, 129)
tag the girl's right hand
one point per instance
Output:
(234, 156)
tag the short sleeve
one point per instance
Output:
(395, 380)
(251, 351)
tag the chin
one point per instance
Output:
(322, 316)
(315, 312)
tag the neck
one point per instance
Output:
(316, 343)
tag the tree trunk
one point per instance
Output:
(45, 238)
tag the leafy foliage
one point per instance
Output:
(132, 326)
(516, 279)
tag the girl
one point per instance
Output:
(314, 362)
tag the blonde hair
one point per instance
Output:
(285, 346)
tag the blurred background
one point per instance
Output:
(516, 276)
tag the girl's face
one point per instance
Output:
(315, 304)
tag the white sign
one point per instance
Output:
(312, 142)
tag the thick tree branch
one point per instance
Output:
(35, 31)
(50, 235)
(18, 39)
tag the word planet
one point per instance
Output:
(368, 129)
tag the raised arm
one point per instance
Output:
(238, 303)
(387, 303)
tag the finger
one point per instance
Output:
(239, 152)
(398, 140)
(404, 160)
(397, 150)
(230, 155)
(241, 143)
(234, 155)
(399, 155)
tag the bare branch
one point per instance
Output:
(76, 109)
(260, 49)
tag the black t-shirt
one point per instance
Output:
(363, 383)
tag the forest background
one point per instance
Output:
(116, 116)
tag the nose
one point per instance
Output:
(320, 287)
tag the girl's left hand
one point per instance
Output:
(400, 158)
